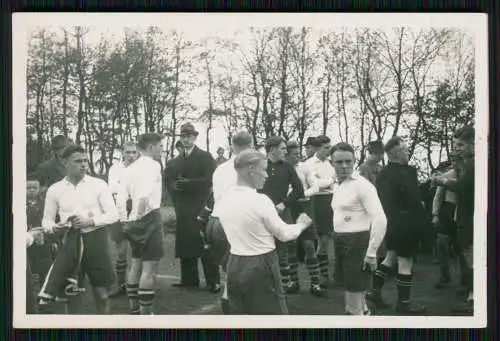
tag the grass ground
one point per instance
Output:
(174, 301)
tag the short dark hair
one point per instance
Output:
(273, 141)
(147, 139)
(58, 142)
(375, 147)
(320, 140)
(32, 177)
(392, 143)
(241, 139)
(342, 146)
(292, 145)
(465, 134)
(72, 149)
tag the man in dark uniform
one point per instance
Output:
(463, 186)
(191, 186)
(281, 175)
(53, 170)
(399, 192)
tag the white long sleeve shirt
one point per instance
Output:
(319, 176)
(357, 207)
(90, 198)
(117, 179)
(251, 222)
(143, 182)
(224, 178)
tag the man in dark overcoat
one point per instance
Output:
(190, 187)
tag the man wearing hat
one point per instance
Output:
(310, 147)
(53, 170)
(190, 187)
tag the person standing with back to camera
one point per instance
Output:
(251, 223)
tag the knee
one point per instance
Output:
(405, 265)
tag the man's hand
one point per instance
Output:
(80, 222)
(179, 184)
(304, 219)
(280, 207)
(370, 264)
(435, 220)
(37, 234)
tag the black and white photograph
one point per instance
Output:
(224, 169)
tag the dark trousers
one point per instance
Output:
(189, 271)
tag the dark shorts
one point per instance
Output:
(403, 241)
(96, 260)
(117, 234)
(296, 208)
(254, 285)
(322, 214)
(353, 251)
(146, 237)
(40, 259)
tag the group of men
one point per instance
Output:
(264, 210)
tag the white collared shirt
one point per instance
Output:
(90, 198)
(143, 182)
(319, 174)
(357, 207)
(117, 179)
(224, 177)
(251, 222)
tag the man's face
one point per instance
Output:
(220, 152)
(258, 174)
(187, 140)
(294, 155)
(401, 153)
(310, 150)
(156, 150)
(377, 156)
(323, 151)
(77, 164)
(130, 154)
(32, 189)
(463, 149)
(59, 152)
(343, 162)
(279, 152)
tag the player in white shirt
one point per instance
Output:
(251, 223)
(224, 177)
(360, 224)
(87, 203)
(116, 178)
(321, 170)
(144, 229)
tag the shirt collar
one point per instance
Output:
(188, 151)
(82, 181)
(355, 175)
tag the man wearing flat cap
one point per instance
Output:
(190, 187)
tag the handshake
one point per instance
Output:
(304, 220)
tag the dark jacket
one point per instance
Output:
(50, 172)
(63, 276)
(399, 193)
(281, 175)
(39, 256)
(189, 200)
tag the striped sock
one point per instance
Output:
(294, 267)
(133, 298)
(404, 286)
(146, 299)
(323, 265)
(285, 274)
(379, 277)
(121, 270)
(313, 270)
